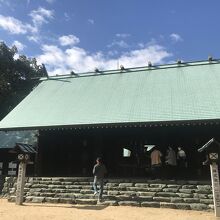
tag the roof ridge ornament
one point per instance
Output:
(179, 61)
(122, 67)
(210, 58)
(97, 70)
(72, 73)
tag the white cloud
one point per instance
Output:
(41, 16)
(52, 55)
(153, 53)
(113, 52)
(15, 26)
(141, 45)
(19, 45)
(61, 61)
(176, 37)
(91, 21)
(120, 43)
(67, 16)
(66, 40)
(34, 38)
(122, 35)
(152, 41)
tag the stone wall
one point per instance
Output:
(195, 195)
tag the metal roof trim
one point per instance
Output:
(133, 69)
(118, 125)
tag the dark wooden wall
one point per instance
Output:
(71, 152)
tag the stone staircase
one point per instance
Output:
(195, 195)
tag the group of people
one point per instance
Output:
(171, 161)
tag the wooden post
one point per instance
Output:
(215, 187)
(20, 183)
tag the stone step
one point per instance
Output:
(83, 201)
(130, 192)
(123, 197)
(130, 186)
(112, 188)
(87, 184)
(62, 179)
(114, 184)
(36, 191)
(148, 201)
(86, 201)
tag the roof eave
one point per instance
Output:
(119, 125)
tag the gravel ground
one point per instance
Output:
(10, 211)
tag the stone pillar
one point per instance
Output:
(215, 188)
(20, 183)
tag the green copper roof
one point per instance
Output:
(185, 92)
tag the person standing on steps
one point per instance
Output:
(181, 162)
(156, 162)
(99, 171)
(171, 163)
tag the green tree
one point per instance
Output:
(17, 77)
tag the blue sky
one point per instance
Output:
(81, 35)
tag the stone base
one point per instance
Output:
(184, 194)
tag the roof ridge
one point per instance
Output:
(135, 69)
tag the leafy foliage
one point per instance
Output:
(17, 77)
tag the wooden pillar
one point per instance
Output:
(39, 156)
